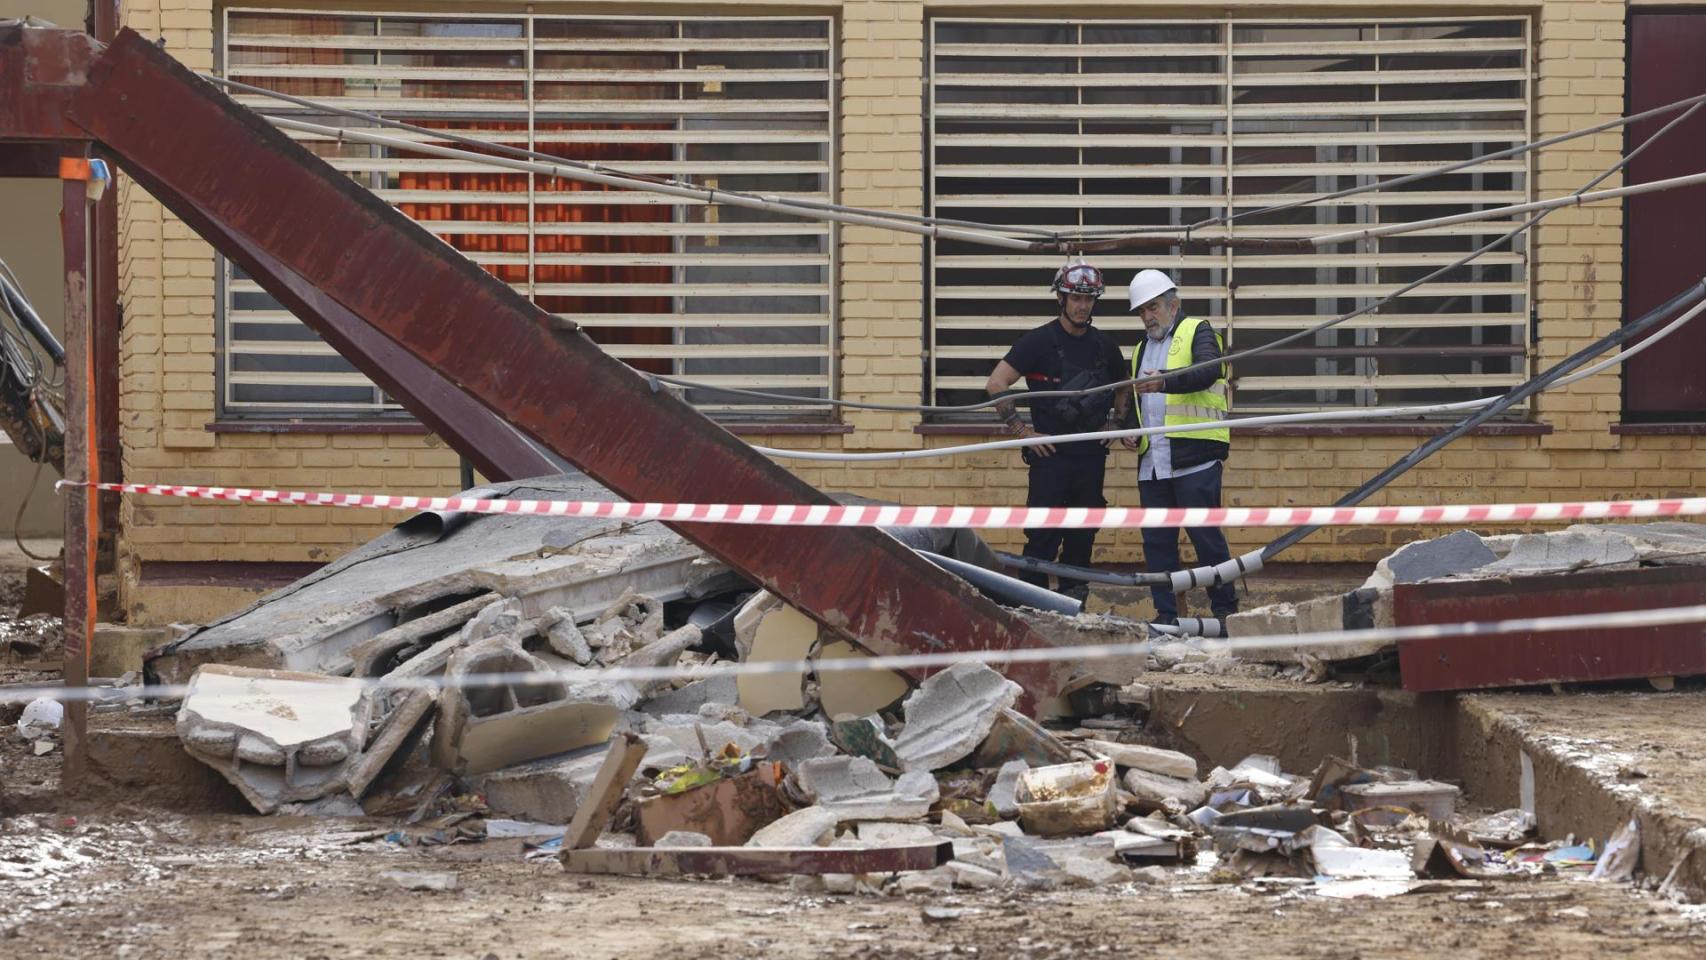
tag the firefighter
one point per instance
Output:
(1067, 353)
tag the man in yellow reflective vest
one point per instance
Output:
(1179, 469)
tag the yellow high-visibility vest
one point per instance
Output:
(1203, 406)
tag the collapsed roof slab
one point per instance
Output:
(434, 563)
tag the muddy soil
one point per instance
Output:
(142, 886)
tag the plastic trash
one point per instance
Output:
(40, 718)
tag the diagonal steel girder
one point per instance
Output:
(308, 232)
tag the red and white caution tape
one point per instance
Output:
(826, 515)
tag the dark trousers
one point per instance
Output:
(1161, 544)
(1063, 480)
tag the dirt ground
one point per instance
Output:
(108, 878)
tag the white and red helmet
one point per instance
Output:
(1079, 278)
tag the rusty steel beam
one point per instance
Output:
(201, 154)
(1513, 660)
(756, 861)
(40, 71)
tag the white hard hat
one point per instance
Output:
(1147, 285)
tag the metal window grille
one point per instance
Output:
(1128, 124)
(726, 296)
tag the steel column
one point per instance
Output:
(82, 520)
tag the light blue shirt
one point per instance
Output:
(1157, 461)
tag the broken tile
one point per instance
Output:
(951, 713)
(766, 629)
(858, 692)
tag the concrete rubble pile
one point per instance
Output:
(453, 676)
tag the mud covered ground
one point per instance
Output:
(139, 885)
(105, 876)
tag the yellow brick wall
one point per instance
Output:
(168, 396)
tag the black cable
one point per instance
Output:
(1517, 394)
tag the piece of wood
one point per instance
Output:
(620, 762)
(750, 861)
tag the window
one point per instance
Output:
(727, 296)
(1118, 125)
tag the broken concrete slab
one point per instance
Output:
(392, 742)
(1659, 544)
(552, 789)
(1003, 796)
(1275, 619)
(279, 737)
(1087, 630)
(689, 698)
(118, 649)
(950, 713)
(1168, 763)
(806, 827)
(758, 861)
(434, 561)
(880, 833)
(852, 788)
(1580, 548)
(683, 838)
(1454, 554)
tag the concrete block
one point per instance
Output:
(1272, 620)
(485, 727)
(1003, 795)
(117, 649)
(279, 737)
(951, 713)
(550, 790)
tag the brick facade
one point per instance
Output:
(168, 394)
